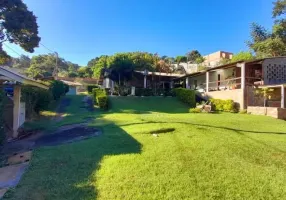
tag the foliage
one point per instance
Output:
(195, 110)
(202, 67)
(265, 93)
(100, 98)
(99, 66)
(85, 72)
(44, 66)
(180, 59)
(185, 95)
(223, 105)
(265, 43)
(153, 92)
(4, 57)
(36, 99)
(200, 60)
(18, 25)
(279, 8)
(193, 56)
(91, 87)
(58, 89)
(242, 56)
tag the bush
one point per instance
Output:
(58, 89)
(143, 92)
(91, 87)
(223, 105)
(36, 99)
(100, 98)
(185, 95)
(195, 110)
(102, 102)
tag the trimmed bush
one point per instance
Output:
(58, 89)
(102, 102)
(36, 99)
(223, 105)
(91, 87)
(100, 98)
(195, 110)
(185, 95)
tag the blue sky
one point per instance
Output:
(80, 30)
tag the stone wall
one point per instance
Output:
(278, 113)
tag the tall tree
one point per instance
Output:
(193, 56)
(279, 8)
(18, 25)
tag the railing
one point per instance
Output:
(228, 84)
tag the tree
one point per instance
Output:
(265, 43)
(92, 62)
(193, 56)
(279, 8)
(100, 66)
(18, 25)
(85, 72)
(23, 62)
(200, 60)
(180, 59)
(242, 56)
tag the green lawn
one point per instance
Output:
(203, 156)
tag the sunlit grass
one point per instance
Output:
(195, 156)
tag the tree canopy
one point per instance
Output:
(18, 25)
(270, 43)
(193, 56)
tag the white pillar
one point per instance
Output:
(282, 96)
(187, 83)
(242, 106)
(145, 81)
(16, 110)
(207, 81)
(171, 84)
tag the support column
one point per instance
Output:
(16, 110)
(282, 96)
(187, 83)
(242, 106)
(145, 81)
(172, 84)
(207, 81)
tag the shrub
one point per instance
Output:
(36, 99)
(195, 110)
(100, 98)
(91, 87)
(185, 95)
(58, 88)
(102, 102)
(143, 92)
(223, 105)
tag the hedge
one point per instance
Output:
(185, 95)
(100, 98)
(58, 89)
(36, 99)
(223, 105)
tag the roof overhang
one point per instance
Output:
(9, 74)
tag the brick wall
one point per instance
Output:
(278, 113)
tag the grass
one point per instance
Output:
(195, 156)
(73, 113)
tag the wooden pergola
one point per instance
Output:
(17, 79)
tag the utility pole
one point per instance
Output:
(56, 68)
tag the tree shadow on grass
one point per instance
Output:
(67, 171)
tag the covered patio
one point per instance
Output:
(16, 80)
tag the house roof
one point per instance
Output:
(160, 74)
(70, 83)
(8, 74)
(256, 61)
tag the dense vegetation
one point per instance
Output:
(100, 98)
(185, 95)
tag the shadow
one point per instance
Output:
(204, 125)
(147, 105)
(68, 171)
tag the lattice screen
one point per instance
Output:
(275, 73)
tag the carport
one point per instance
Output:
(16, 80)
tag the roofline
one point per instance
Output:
(21, 78)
